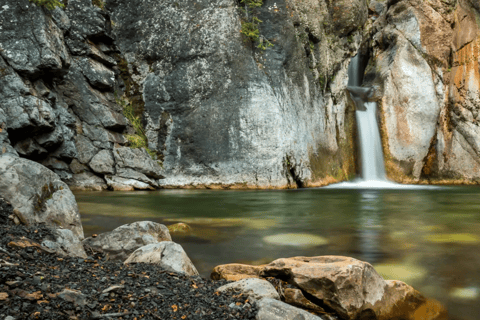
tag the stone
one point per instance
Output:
(77, 167)
(254, 289)
(86, 181)
(128, 173)
(167, 255)
(122, 241)
(36, 47)
(65, 243)
(350, 287)
(103, 162)
(97, 74)
(138, 160)
(5, 146)
(86, 149)
(126, 184)
(74, 296)
(38, 195)
(271, 309)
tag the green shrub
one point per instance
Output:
(250, 23)
(49, 4)
(139, 139)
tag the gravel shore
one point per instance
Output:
(37, 284)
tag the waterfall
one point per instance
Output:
(370, 145)
(371, 154)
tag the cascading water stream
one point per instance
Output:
(371, 155)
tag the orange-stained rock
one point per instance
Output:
(350, 287)
(235, 272)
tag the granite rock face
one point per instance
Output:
(225, 113)
(61, 92)
(426, 71)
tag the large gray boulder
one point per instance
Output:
(167, 255)
(65, 243)
(38, 195)
(122, 241)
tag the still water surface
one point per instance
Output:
(429, 238)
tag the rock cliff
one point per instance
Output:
(425, 66)
(218, 107)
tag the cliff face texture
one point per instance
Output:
(425, 68)
(219, 111)
(224, 113)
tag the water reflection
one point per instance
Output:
(369, 226)
(429, 238)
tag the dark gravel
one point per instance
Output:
(31, 282)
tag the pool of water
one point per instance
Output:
(429, 238)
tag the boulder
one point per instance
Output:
(65, 243)
(103, 162)
(138, 160)
(86, 181)
(125, 184)
(38, 195)
(271, 309)
(350, 287)
(254, 289)
(167, 255)
(122, 241)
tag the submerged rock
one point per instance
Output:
(119, 243)
(168, 255)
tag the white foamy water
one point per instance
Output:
(371, 155)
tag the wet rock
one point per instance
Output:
(122, 241)
(168, 255)
(103, 162)
(64, 242)
(254, 289)
(271, 309)
(38, 195)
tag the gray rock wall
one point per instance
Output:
(225, 113)
(426, 72)
(59, 93)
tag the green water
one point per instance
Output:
(429, 238)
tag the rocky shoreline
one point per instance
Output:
(136, 271)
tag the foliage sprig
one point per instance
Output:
(250, 23)
(49, 4)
